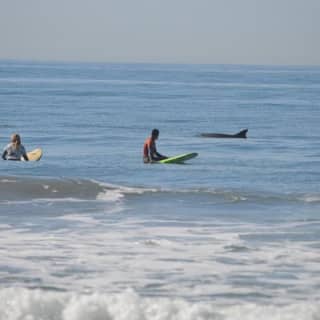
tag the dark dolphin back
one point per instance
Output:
(240, 134)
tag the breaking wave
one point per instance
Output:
(18, 303)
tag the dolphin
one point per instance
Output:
(240, 134)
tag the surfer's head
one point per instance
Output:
(16, 140)
(155, 134)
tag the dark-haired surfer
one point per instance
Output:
(150, 153)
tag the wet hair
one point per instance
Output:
(16, 140)
(155, 133)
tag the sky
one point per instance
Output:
(162, 31)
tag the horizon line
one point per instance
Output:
(75, 61)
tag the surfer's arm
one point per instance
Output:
(25, 157)
(152, 152)
(24, 153)
(4, 155)
(160, 155)
(155, 154)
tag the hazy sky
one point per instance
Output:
(177, 31)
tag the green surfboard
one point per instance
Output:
(180, 158)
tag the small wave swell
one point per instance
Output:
(24, 189)
(29, 189)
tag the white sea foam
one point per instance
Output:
(88, 220)
(206, 261)
(311, 198)
(8, 180)
(125, 189)
(156, 243)
(23, 304)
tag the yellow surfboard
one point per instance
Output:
(35, 155)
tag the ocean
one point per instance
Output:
(90, 232)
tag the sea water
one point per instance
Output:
(90, 232)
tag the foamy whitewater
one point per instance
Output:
(92, 233)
